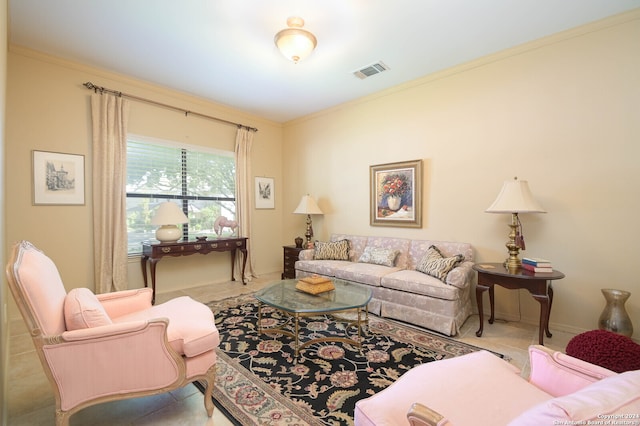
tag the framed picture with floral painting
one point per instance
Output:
(396, 194)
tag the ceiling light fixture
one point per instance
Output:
(294, 42)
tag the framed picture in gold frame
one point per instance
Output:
(396, 194)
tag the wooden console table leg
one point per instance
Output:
(233, 264)
(153, 279)
(143, 263)
(244, 264)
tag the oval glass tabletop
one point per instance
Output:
(283, 295)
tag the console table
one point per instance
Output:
(538, 284)
(152, 252)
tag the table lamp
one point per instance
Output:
(168, 215)
(515, 197)
(308, 206)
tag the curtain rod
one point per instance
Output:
(89, 85)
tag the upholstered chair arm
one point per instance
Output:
(102, 362)
(559, 374)
(306, 254)
(421, 415)
(124, 302)
(461, 276)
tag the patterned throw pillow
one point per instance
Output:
(336, 250)
(379, 256)
(435, 264)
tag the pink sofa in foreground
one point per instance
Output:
(482, 389)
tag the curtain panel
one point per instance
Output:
(109, 115)
(244, 141)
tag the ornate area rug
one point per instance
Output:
(260, 381)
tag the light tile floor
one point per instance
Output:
(31, 402)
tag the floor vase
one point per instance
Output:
(614, 317)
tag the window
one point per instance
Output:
(201, 180)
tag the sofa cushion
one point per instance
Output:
(335, 250)
(364, 273)
(435, 264)
(606, 399)
(471, 399)
(326, 268)
(82, 309)
(379, 256)
(415, 282)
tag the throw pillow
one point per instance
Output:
(335, 250)
(435, 264)
(379, 256)
(82, 309)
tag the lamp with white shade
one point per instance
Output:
(308, 206)
(515, 197)
(168, 216)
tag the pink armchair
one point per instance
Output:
(482, 389)
(99, 348)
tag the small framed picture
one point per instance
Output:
(396, 194)
(58, 178)
(265, 193)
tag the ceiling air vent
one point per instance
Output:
(370, 70)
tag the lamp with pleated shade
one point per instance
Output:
(515, 197)
(308, 206)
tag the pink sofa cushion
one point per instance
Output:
(600, 401)
(82, 309)
(559, 374)
(481, 384)
(191, 331)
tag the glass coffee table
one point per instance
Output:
(283, 296)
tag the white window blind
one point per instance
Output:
(201, 181)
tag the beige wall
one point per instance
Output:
(49, 109)
(4, 325)
(561, 113)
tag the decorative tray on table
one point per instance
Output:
(315, 284)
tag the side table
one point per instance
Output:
(538, 284)
(291, 254)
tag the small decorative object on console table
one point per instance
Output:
(152, 252)
(614, 317)
(538, 284)
(291, 254)
(515, 197)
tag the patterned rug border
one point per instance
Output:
(288, 411)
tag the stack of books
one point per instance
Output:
(537, 265)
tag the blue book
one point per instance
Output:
(536, 261)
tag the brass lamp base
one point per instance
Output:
(513, 262)
(309, 233)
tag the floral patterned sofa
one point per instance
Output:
(426, 283)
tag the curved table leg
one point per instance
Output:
(480, 289)
(544, 317)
